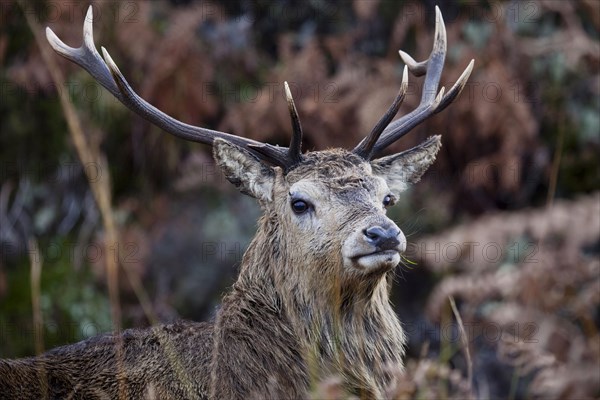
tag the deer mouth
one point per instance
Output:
(377, 260)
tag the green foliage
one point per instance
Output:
(73, 306)
(29, 145)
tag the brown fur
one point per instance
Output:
(299, 312)
(156, 361)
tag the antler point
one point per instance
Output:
(112, 66)
(50, 35)
(438, 15)
(288, 92)
(439, 97)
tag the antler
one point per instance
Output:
(295, 150)
(430, 102)
(366, 147)
(106, 72)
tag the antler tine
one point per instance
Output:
(416, 68)
(456, 89)
(365, 147)
(432, 101)
(295, 149)
(108, 75)
(86, 56)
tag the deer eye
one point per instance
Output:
(300, 206)
(389, 200)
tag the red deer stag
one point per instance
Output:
(311, 300)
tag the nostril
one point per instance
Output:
(384, 239)
(373, 233)
(393, 232)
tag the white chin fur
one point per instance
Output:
(379, 261)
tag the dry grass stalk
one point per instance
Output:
(465, 341)
(100, 185)
(36, 276)
(36, 261)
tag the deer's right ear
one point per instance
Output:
(244, 170)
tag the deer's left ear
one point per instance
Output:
(400, 170)
(244, 170)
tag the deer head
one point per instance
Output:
(318, 191)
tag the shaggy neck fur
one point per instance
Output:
(345, 327)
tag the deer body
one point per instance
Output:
(312, 297)
(157, 362)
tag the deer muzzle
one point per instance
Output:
(377, 247)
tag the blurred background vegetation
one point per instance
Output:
(507, 221)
